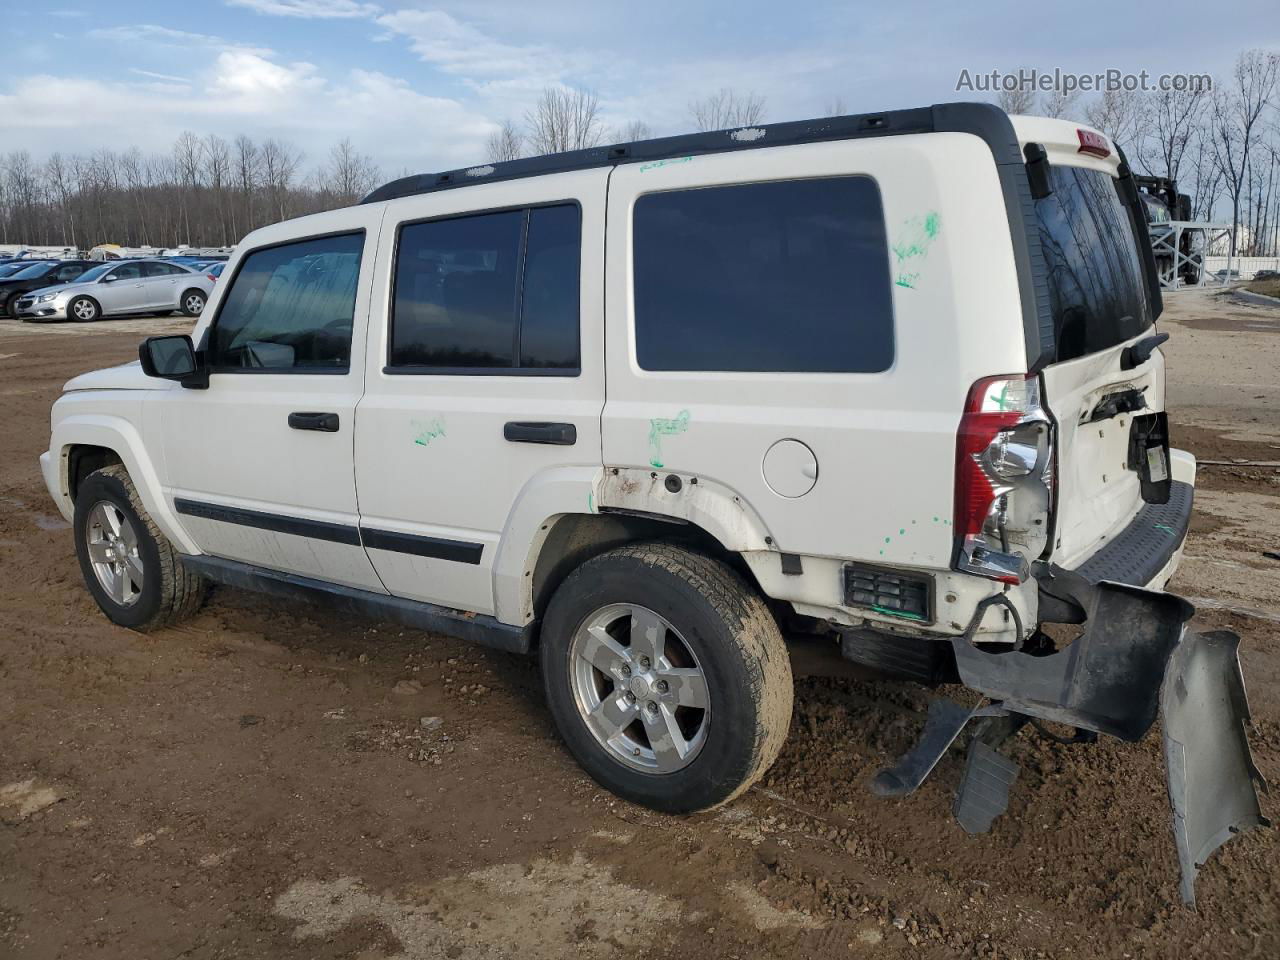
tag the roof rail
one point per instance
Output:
(982, 119)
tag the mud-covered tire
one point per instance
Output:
(738, 648)
(169, 591)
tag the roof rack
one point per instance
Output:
(984, 119)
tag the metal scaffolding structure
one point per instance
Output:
(1178, 269)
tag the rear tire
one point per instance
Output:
(130, 567)
(700, 718)
(192, 302)
(83, 310)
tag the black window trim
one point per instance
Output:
(836, 375)
(206, 338)
(515, 370)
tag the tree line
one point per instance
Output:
(1221, 146)
(205, 192)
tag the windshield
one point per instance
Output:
(33, 271)
(9, 269)
(93, 273)
(1097, 288)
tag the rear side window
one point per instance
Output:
(492, 292)
(154, 269)
(789, 276)
(127, 271)
(290, 308)
(1097, 289)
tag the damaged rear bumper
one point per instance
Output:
(1135, 660)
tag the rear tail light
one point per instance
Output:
(212, 277)
(1004, 479)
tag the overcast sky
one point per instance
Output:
(420, 85)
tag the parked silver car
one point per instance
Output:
(115, 287)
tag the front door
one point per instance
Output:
(485, 381)
(121, 290)
(259, 466)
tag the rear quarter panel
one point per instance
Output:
(885, 442)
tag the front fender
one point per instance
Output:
(120, 435)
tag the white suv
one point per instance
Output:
(889, 380)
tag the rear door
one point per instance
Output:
(160, 281)
(485, 375)
(1100, 305)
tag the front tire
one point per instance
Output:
(84, 310)
(11, 305)
(130, 567)
(667, 676)
(192, 303)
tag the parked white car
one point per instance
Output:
(116, 288)
(890, 382)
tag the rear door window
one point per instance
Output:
(1097, 288)
(290, 308)
(787, 276)
(488, 293)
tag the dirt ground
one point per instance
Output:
(271, 780)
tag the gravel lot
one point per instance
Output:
(271, 780)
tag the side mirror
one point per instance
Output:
(173, 358)
(109, 278)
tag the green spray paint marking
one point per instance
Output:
(427, 431)
(897, 613)
(918, 234)
(665, 428)
(591, 502)
(662, 163)
(1166, 528)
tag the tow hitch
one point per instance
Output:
(1135, 659)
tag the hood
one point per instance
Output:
(128, 376)
(75, 287)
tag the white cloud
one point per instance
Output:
(243, 92)
(153, 33)
(255, 84)
(487, 64)
(309, 9)
(151, 74)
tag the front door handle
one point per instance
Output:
(560, 434)
(324, 422)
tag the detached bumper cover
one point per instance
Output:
(1135, 660)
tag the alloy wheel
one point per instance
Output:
(113, 552)
(639, 688)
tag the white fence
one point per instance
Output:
(1247, 266)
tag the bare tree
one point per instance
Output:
(1234, 123)
(1174, 121)
(505, 143)
(564, 118)
(217, 173)
(246, 172)
(349, 174)
(725, 109)
(1060, 104)
(633, 131)
(1018, 100)
(1121, 115)
(280, 163)
(57, 177)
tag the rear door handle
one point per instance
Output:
(560, 434)
(324, 422)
